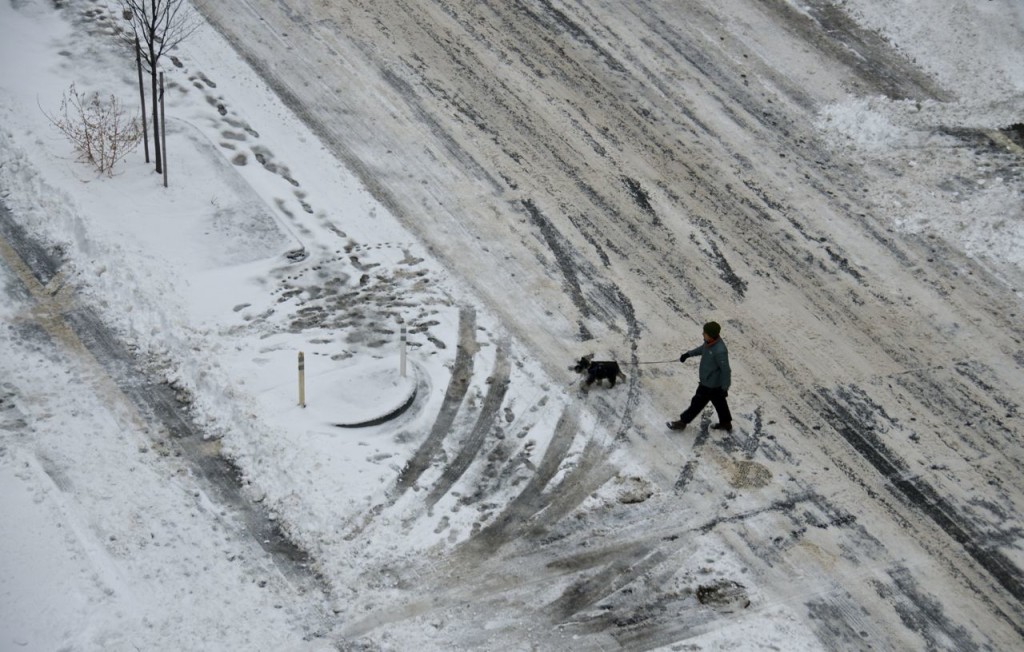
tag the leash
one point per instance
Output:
(655, 362)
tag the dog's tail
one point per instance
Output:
(622, 376)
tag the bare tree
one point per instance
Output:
(101, 131)
(158, 26)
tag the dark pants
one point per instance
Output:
(703, 396)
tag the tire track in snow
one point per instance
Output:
(470, 448)
(853, 416)
(504, 107)
(622, 570)
(586, 477)
(458, 385)
(837, 35)
(423, 457)
(511, 521)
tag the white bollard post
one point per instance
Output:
(302, 379)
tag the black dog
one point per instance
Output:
(598, 371)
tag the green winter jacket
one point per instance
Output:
(714, 364)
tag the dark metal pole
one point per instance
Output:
(142, 98)
(163, 127)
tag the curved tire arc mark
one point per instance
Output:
(484, 423)
(458, 385)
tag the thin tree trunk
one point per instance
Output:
(156, 115)
(142, 99)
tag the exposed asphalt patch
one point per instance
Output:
(1015, 132)
(726, 271)
(685, 476)
(639, 195)
(723, 593)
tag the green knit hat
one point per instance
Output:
(712, 329)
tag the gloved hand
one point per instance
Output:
(683, 357)
(725, 393)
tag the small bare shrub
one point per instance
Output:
(101, 131)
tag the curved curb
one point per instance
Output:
(387, 417)
(393, 414)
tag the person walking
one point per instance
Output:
(714, 376)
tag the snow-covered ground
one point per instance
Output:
(264, 246)
(111, 544)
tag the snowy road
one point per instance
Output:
(838, 184)
(626, 171)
